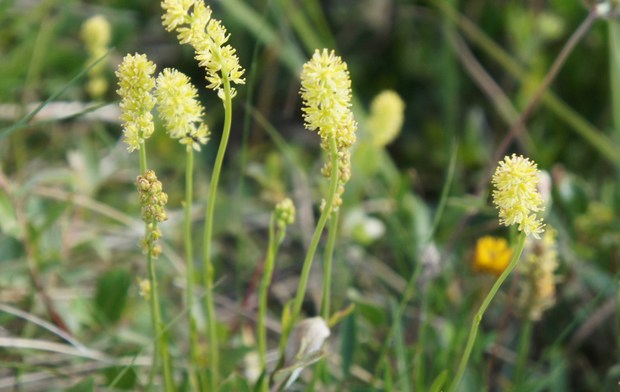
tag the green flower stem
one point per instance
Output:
(321, 368)
(194, 376)
(305, 272)
(272, 250)
(327, 269)
(210, 212)
(473, 332)
(524, 349)
(161, 343)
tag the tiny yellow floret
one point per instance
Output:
(516, 194)
(492, 255)
(135, 82)
(179, 108)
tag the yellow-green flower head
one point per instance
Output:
(516, 194)
(179, 108)
(326, 93)
(387, 113)
(96, 32)
(193, 23)
(135, 80)
(285, 213)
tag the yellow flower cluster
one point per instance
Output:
(387, 113)
(538, 268)
(96, 34)
(179, 108)
(492, 255)
(135, 82)
(516, 194)
(326, 94)
(192, 21)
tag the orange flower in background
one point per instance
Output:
(492, 255)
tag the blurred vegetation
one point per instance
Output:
(69, 222)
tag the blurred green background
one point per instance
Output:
(465, 70)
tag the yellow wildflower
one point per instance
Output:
(193, 23)
(179, 108)
(492, 255)
(386, 118)
(516, 194)
(135, 82)
(326, 94)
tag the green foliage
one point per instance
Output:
(111, 295)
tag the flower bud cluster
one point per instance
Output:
(285, 213)
(152, 199)
(538, 269)
(180, 110)
(135, 82)
(326, 94)
(193, 23)
(516, 194)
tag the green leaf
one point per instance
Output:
(8, 219)
(111, 294)
(87, 385)
(371, 312)
(348, 333)
(123, 378)
(439, 382)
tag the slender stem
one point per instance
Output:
(327, 208)
(327, 269)
(614, 73)
(161, 343)
(473, 332)
(321, 371)
(155, 361)
(524, 349)
(189, 261)
(159, 326)
(272, 250)
(208, 264)
(143, 165)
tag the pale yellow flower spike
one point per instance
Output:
(135, 82)
(387, 113)
(517, 196)
(538, 271)
(179, 108)
(326, 94)
(192, 21)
